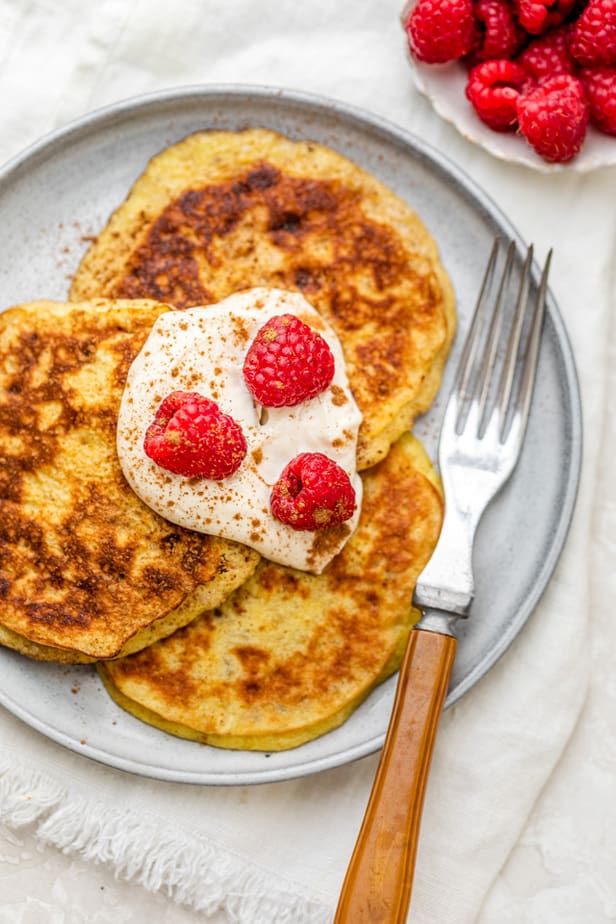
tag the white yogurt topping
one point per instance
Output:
(203, 350)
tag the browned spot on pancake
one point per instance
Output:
(56, 614)
(289, 654)
(83, 562)
(252, 658)
(292, 212)
(254, 663)
(333, 657)
(294, 216)
(174, 684)
(355, 270)
(277, 580)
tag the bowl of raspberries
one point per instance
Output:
(532, 81)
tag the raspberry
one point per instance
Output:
(440, 30)
(593, 37)
(600, 87)
(493, 89)
(501, 36)
(312, 493)
(537, 16)
(560, 12)
(548, 55)
(553, 117)
(532, 15)
(288, 362)
(191, 436)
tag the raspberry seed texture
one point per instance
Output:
(501, 36)
(548, 55)
(553, 117)
(541, 68)
(288, 362)
(313, 493)
(593, 39)
(600, 87)
(191, 436)
(537, 16)
(441, 30)
(493, 88)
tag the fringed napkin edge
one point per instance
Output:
(150, 852)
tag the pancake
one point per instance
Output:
(290, 655)
(87, 571)
(221, 211)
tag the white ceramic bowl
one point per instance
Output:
(444, 86)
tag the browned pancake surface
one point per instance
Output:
(86, 569)
(290, 655)
(224, 211)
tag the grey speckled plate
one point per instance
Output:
(62, 190)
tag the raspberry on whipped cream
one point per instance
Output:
(190, 436)
(203, 350)
(288, 362)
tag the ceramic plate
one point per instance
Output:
(444, 85)
(60, 192)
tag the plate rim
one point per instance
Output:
(205, 94)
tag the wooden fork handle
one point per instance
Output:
(377, 887)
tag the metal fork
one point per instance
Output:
(480, 441)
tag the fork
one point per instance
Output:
(479, 445)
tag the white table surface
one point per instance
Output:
(40, 884)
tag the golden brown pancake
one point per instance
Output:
(290, 655)
(224, 211)
(87, 571)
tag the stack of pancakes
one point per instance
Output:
(191, 633)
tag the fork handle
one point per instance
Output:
(377, 887)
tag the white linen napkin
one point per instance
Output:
(278, 852)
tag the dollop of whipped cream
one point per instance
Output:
(202, 349)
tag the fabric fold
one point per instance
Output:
(151, 852)
(506, 837)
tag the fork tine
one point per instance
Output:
(506, 381)
(517, 411)
(473, 386)
(496, 322)
(461, 390)
(532, 347)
